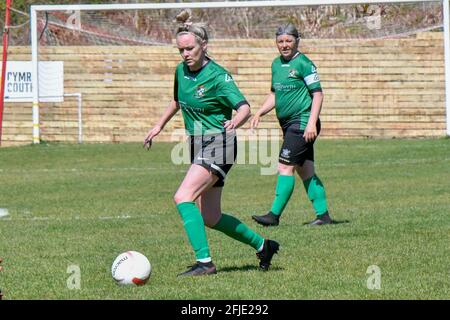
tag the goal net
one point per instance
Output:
(381, 64)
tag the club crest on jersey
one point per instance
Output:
(292, 73)
(200, 91)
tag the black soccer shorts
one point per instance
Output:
(295, 150)
(216, 153)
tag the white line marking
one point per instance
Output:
(242, 166)
(3, 212)
(79, 218)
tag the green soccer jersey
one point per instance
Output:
(293, 83)
(206, 97)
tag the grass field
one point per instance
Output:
(82, 205)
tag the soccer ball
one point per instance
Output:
(131, 268)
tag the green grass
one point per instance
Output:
(84, 204)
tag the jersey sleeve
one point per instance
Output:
(228, 93)
(308, 72)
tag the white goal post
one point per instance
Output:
(34, 9)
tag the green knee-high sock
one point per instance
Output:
(195, 229)
(316, 193)
(283, 192)
(235, 229)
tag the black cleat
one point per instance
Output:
(321, 220)
(268, 219)
(200, 269)
(265, 256)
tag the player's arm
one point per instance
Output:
(267, 106)
(241, 117)
(312, 80)
(310, 133)
(229, 94)
(170, 111)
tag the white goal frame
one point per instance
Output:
(235, 4)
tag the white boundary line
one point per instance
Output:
(76, 218)
(244, 166)
(3, 212)
(146, 216)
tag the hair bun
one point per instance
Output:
(184, 17)
(185, 24)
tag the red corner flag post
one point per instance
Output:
(5, 55)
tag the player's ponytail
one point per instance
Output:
(187, 26)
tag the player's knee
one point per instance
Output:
(211, 218)
(284, 169)
(307, 170)
(208, 222)
(183, 196)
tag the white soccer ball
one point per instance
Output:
(131, 268)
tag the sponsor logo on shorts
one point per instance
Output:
(286, 153)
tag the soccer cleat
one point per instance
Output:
(321, 220)
(265, 256)
(268, 219)
(200, 269)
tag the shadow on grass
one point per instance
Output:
(247, 267)
(334, 222)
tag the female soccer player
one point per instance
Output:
(296, 95)
(207, 95)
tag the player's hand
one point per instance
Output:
(150, 135)
(0, 264)
(254, 121)
(310, 133)
(229, 125)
